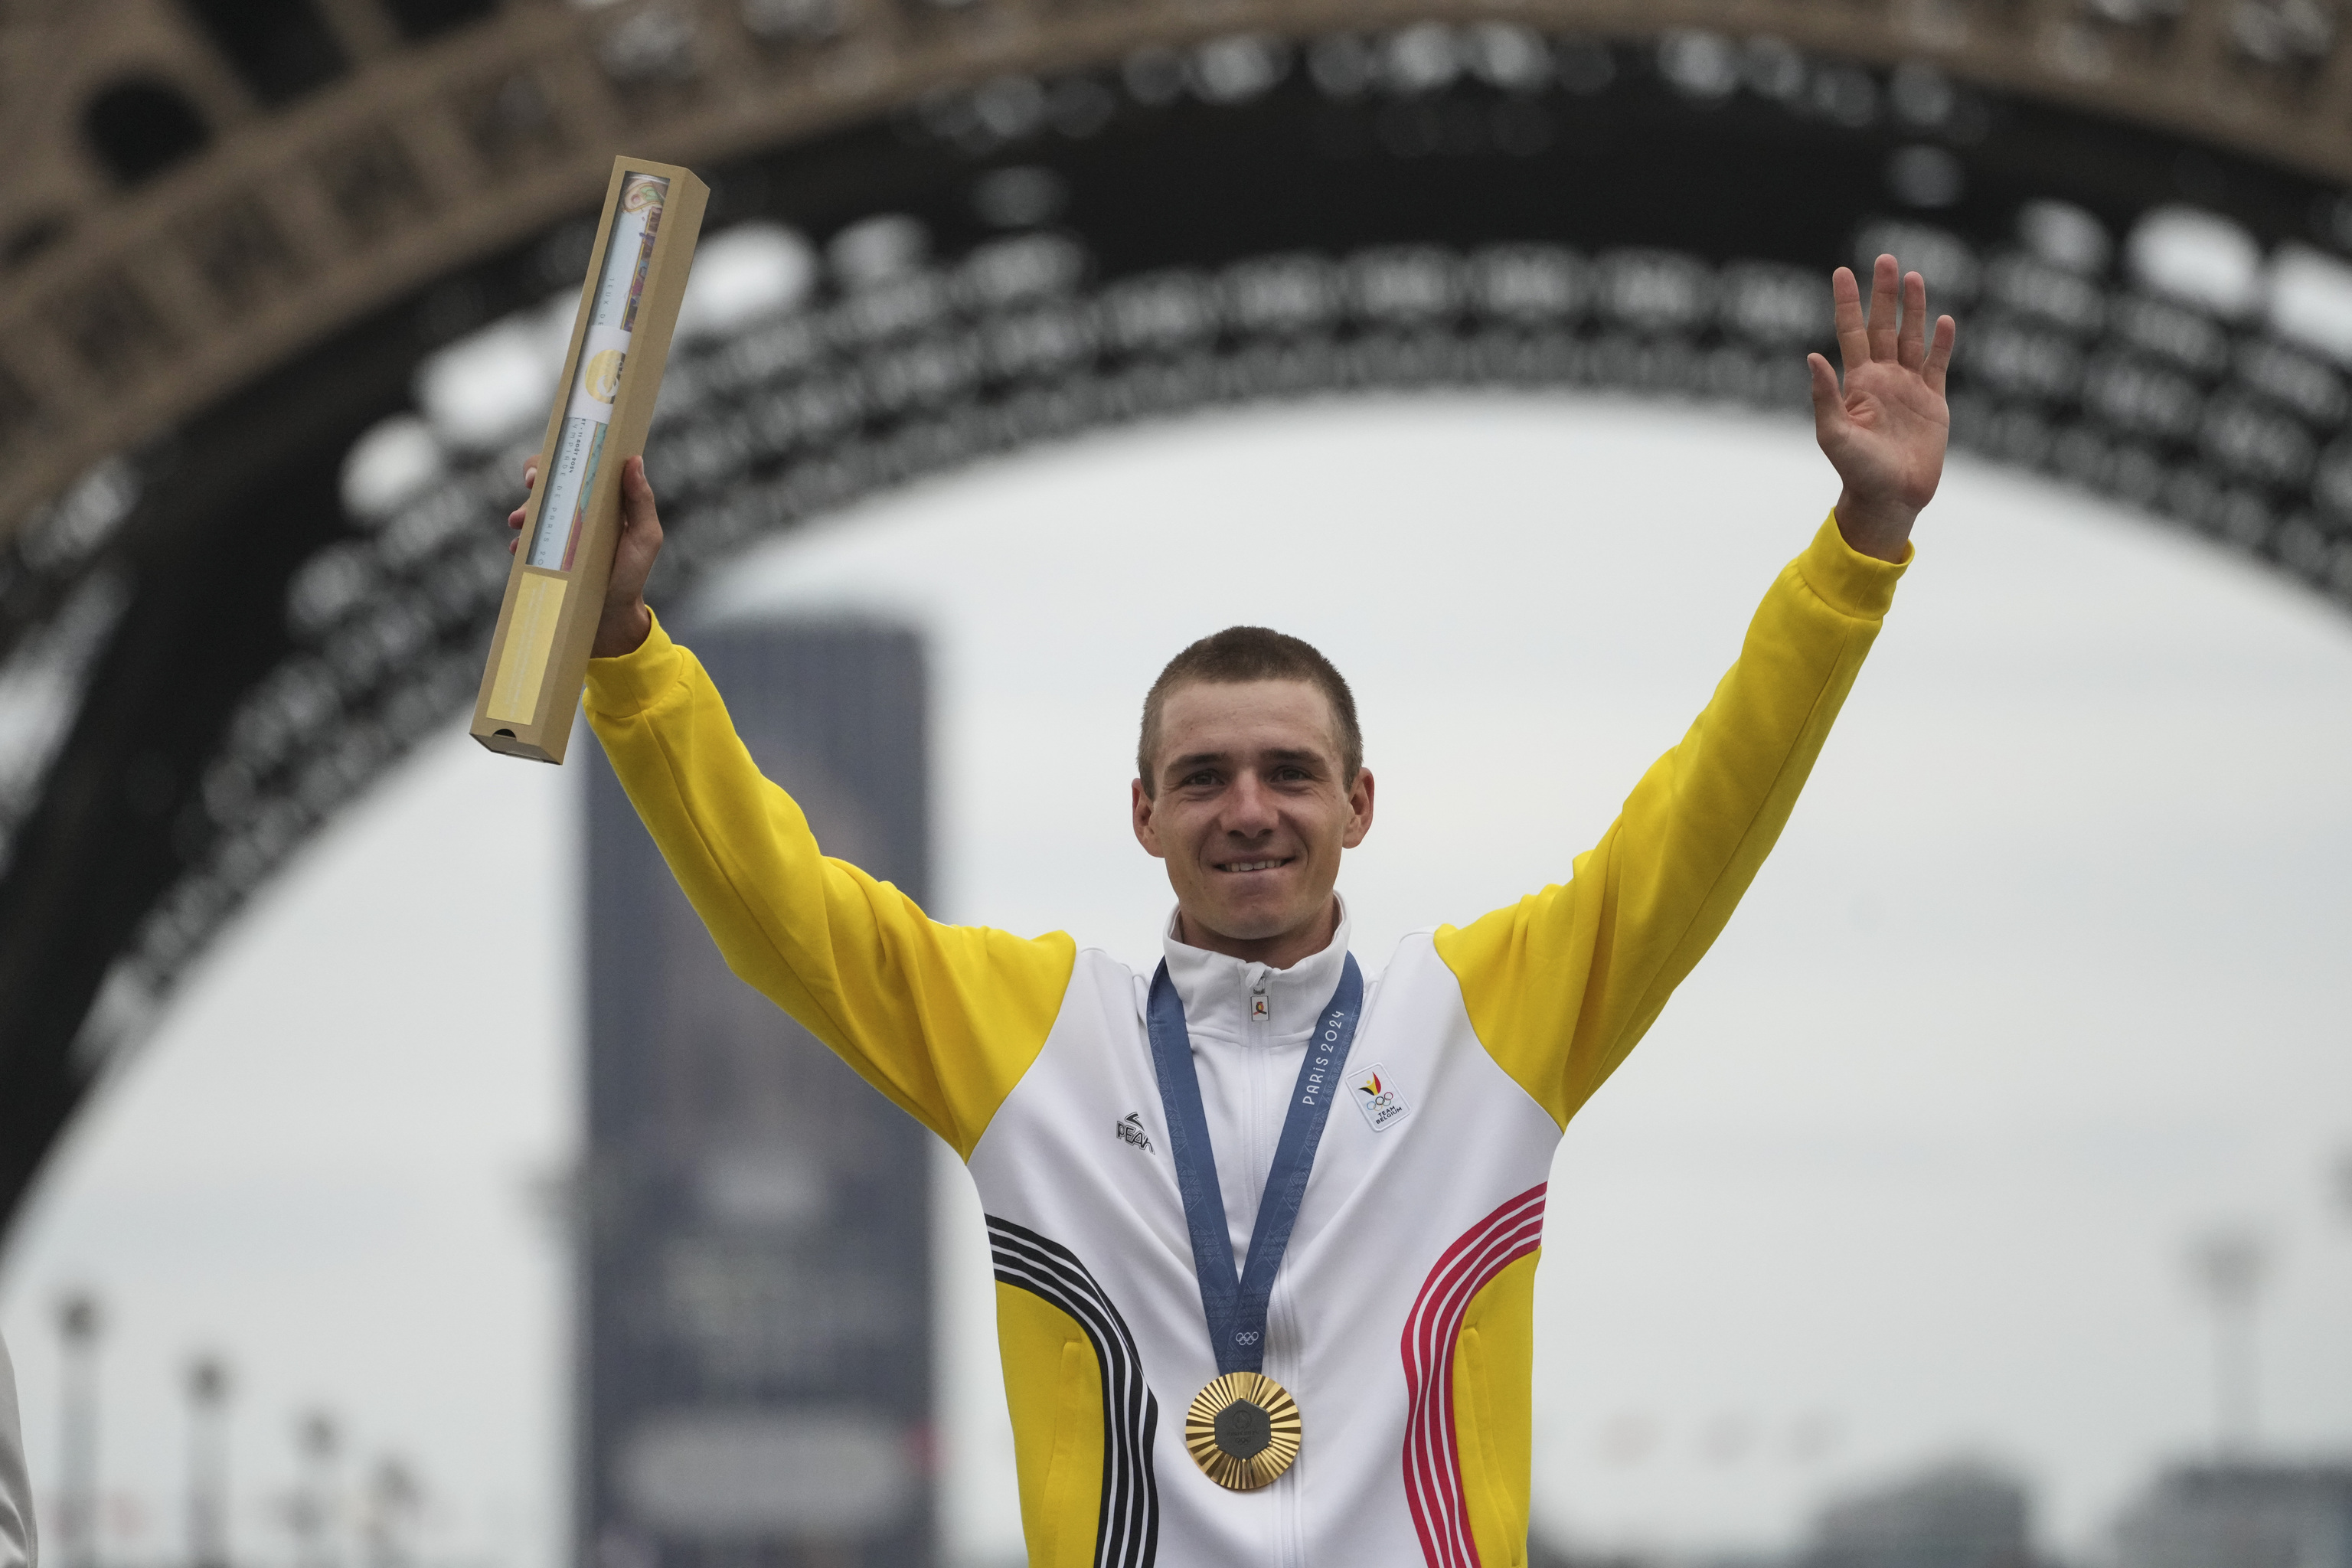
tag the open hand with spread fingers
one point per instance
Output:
(1885, 429)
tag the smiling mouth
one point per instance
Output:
(1253, 864)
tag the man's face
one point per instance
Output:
(1251, 810)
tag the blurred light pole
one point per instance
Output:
(79, 1324)
(314, 1507)
(208, 1506)
(395, 1500)
(2341, 1181)
(2230, 1263)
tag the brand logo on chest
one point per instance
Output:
(1131, 1132)
(1377, 1096)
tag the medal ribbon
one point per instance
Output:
(1236, 1304)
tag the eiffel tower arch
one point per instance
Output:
(260, 256)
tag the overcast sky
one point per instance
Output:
(2045, 978)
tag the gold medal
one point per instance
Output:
(1242, 1430)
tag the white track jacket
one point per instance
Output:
(1402, 1321)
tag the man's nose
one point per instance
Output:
(1249, 807)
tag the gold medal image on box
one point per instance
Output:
(1243, 1431)
(603, 378)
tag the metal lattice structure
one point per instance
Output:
(410, 162)
(1041, 218)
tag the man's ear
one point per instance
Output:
(1359, 806)
(1139, 808)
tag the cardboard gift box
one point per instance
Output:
(612, 373)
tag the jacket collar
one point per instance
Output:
(1216, 990)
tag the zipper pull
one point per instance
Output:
(1257, 1003)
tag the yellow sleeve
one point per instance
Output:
(1561, 985)
(943, 1019)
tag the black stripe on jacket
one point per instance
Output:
(1126, 1528)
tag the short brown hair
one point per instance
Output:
(1242, 654)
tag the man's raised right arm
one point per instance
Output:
(943, 1019)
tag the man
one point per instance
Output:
(1265, 1232)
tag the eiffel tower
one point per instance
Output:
(257, 251)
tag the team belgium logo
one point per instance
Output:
(1377, 1098)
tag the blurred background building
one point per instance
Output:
(2241, 1513)
(754, 1219)
(284, 285)
(1962, 1515)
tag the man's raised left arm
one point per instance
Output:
(1561, 985)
